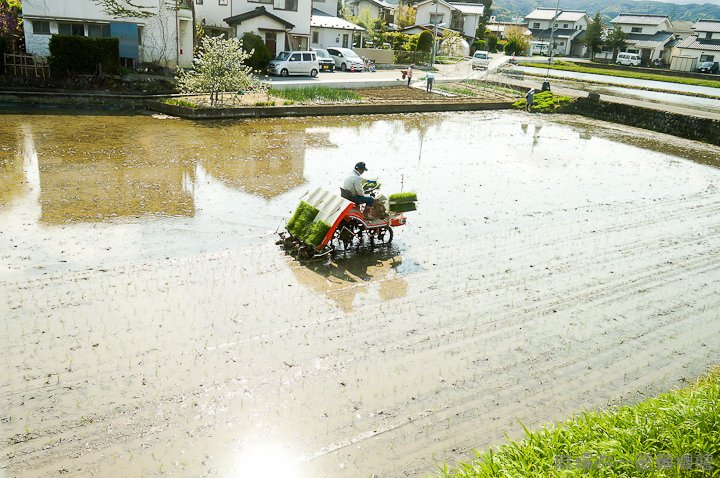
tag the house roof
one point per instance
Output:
(639, 19)
(470, 8)
(465, 8)
(431, 28)
(707, 26)
(379, 3)
(320, 19)
(257, 12)
(639, 40)
(571, 15)
(681, 26)
(693, 43)
(542, 14)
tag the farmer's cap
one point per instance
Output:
(361, 167)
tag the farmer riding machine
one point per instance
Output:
(325, 222)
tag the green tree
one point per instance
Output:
(11, 28)
(480, 31)
(593, 35)
(518, 42)
(404, 16)
(492, 41)
(616, 40)
(425, 41)
(219, 68)
(254, 46)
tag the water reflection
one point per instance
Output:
(361, 276)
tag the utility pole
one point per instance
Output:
(552, 32)
(432, 60)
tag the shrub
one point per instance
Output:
(544, 102)
(3, 45)
(479, 45)
(425, 41)
(180, 102)
(492, 41)
(261, 55)
(75, 55)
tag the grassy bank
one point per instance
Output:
(566, 66)
(676, 434)
(316, 94)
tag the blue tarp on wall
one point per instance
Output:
(127, 33)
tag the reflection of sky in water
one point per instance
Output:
(82, 192)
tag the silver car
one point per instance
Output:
(346, 59)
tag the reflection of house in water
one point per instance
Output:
(267, 162)
(85, 176)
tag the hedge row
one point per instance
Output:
(77, 54)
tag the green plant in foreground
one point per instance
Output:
(316, 94)
(316, 233)
(264, 103)
(403, 197)
(676, 434)
(301, 221)
(180, 102)
(544, 101)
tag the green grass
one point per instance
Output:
(449, 60)
(316, 94)
(180, 102)
(676, 434)
(455, 90)
(544, 102)
(264, 103)
(567, 66)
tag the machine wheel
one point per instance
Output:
(343, 67)
(284, 72)
(313, 73)
(385, 236)
(306, 253)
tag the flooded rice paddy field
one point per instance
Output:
(150, 326)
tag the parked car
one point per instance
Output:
(324, 59)
(628, 59)
(346, 59)
(480, 60)
(294, 63)
(708, 67)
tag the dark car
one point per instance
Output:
(708, 67)
(327, 63)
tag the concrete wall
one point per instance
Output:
(213, 13)
(689, 127)
(381, 57)
(331, 37)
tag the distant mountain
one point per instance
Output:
(506, 10)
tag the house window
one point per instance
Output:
(222, 3)
(76, 29)
(708, 36)
(536, 25)
(436, 18)
(198, 2)
(316, 37)
(706, 58)
(636, 30)
(41, 28)
(291, 5)
(565, 25)
(140, 35)
(98, 31)
(269, 2)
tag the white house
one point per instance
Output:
(650, 36)
(329, 30)
(565, 26)
(376, 8)
(282, 24)
(165, 38)
(703, 45)
(211, 14)
(500, 29)
(460, 17)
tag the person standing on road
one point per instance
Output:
(409, 74)
(430, 78)
(529, 99)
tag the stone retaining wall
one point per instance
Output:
(689, 127)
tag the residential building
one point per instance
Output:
(703, 45)
(165, 38)
(328, 30)
(273, 26)
(566, 27)
(211, 15)
(460, 17)
(500, 29)
(376, 8)
(650, 36)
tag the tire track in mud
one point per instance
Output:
(468, 334)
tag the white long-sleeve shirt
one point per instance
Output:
(353, 183)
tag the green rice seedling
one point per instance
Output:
(400, 198)
(672, 435)
(264, 103)
(404, 207)
(316, 94)
(302, 220)
(316, 233)
(180, 102)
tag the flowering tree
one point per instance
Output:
(10, 21)
(220, 68)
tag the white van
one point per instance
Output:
(295, 63)
(481, 59)
(629, 59)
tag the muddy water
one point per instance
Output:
(149, 326)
